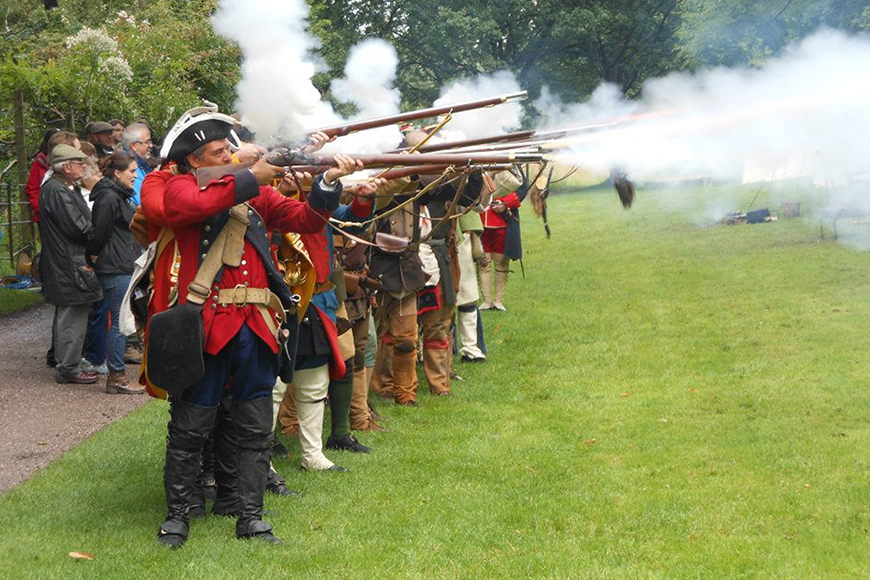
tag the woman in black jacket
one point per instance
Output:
(113, 250)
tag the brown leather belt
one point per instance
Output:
(262, 298)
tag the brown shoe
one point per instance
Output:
(375, 415)
(369, 426)
(117, 384)
(132, 356)
(79, 378)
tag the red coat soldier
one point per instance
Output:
(241, 312)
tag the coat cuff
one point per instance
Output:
(246, 186)
(323, 198)
(361, 207)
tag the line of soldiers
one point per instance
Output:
(261, 292)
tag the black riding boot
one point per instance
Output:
(206, 476)
(226, 502)
(205, 481)
(253, 422)
(189, 426)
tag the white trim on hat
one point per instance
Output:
(190, 118)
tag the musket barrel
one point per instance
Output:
(433, 147)
(340, 130)
(457, 159)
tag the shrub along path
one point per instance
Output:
(661, 401)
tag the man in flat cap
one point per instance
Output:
(100, 134)
(247, 312)
(68, 281)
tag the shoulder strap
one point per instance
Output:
(226, 250)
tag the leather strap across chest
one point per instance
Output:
(227, 250)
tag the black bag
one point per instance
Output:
(401, 273)
(513, 247)
(175, 341)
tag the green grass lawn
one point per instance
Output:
(12, 300)
(662, 400)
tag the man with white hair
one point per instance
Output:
(137, 141)
(68, 281)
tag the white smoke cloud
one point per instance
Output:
(482, 122)
(276, 96)
(804, 113)
(276, 89)
(369, 84)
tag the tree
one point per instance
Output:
(570, 46)
(739, 32)
(92, 61)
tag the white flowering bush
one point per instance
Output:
(118, 67)
(93, 61)
(91, 39)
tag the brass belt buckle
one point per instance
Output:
(245, 295)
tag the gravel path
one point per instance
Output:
(40, 419)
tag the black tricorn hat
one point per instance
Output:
(195, 128)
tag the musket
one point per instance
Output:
(431, 148)
(297, 162)
(458, 159)
(354, 126)
(435, 169)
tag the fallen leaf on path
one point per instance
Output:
(81, 555)
(43, 442)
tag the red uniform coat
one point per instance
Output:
(187, 206)
(491, 219)
(163, 280)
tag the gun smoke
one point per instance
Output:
(802, 114)
(482, 122)
(276, 96)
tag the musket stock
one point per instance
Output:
(322, 163)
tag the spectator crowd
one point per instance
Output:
(83, 195)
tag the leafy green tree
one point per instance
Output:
(570, 46)
(739, 32)
(90, 61)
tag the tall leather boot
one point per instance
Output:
(382, 376)
(405, 375)
(189, 427)
(288, 420)
(253, 421)
(436, 365)
(226, 501)
(485, 279)
(360, 419)
(205, 483)
(502, 269)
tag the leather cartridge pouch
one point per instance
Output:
(176, 336)
(390, 243)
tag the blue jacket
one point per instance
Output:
(142, 169)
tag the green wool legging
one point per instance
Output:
(340, 393)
